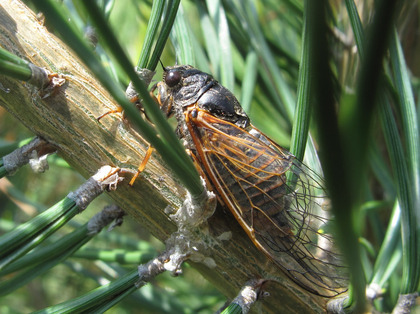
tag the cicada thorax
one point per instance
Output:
(273, 196)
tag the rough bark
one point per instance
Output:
(67, 120)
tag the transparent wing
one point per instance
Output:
(277, 200)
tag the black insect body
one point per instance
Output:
(276, 199)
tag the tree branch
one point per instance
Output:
(67, 119)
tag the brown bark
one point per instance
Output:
(67, 120)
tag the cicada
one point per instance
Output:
(275, 198)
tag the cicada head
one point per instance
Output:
(183, 86)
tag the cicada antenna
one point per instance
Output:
(163, 67)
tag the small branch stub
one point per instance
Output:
(337, 305)
(196, 209)
(183, 244)
(107, 178)
(151, 269)
(39, 164)
(34, 152)
(249, 294)
(39, 77)
(373, 291)
(104, 217)
(55, 81)
(405, 303)
(146, 76)
(46, 82)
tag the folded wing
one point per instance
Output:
(275, 198)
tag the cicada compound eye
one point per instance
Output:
(172, 78)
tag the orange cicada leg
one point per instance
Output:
(142, 165)
(150, 149)
(120, 109)
(135, 100)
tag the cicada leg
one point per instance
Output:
(140, 169)
(135, 100)
(119, 109)
(146, 158)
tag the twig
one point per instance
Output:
(37, 151)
